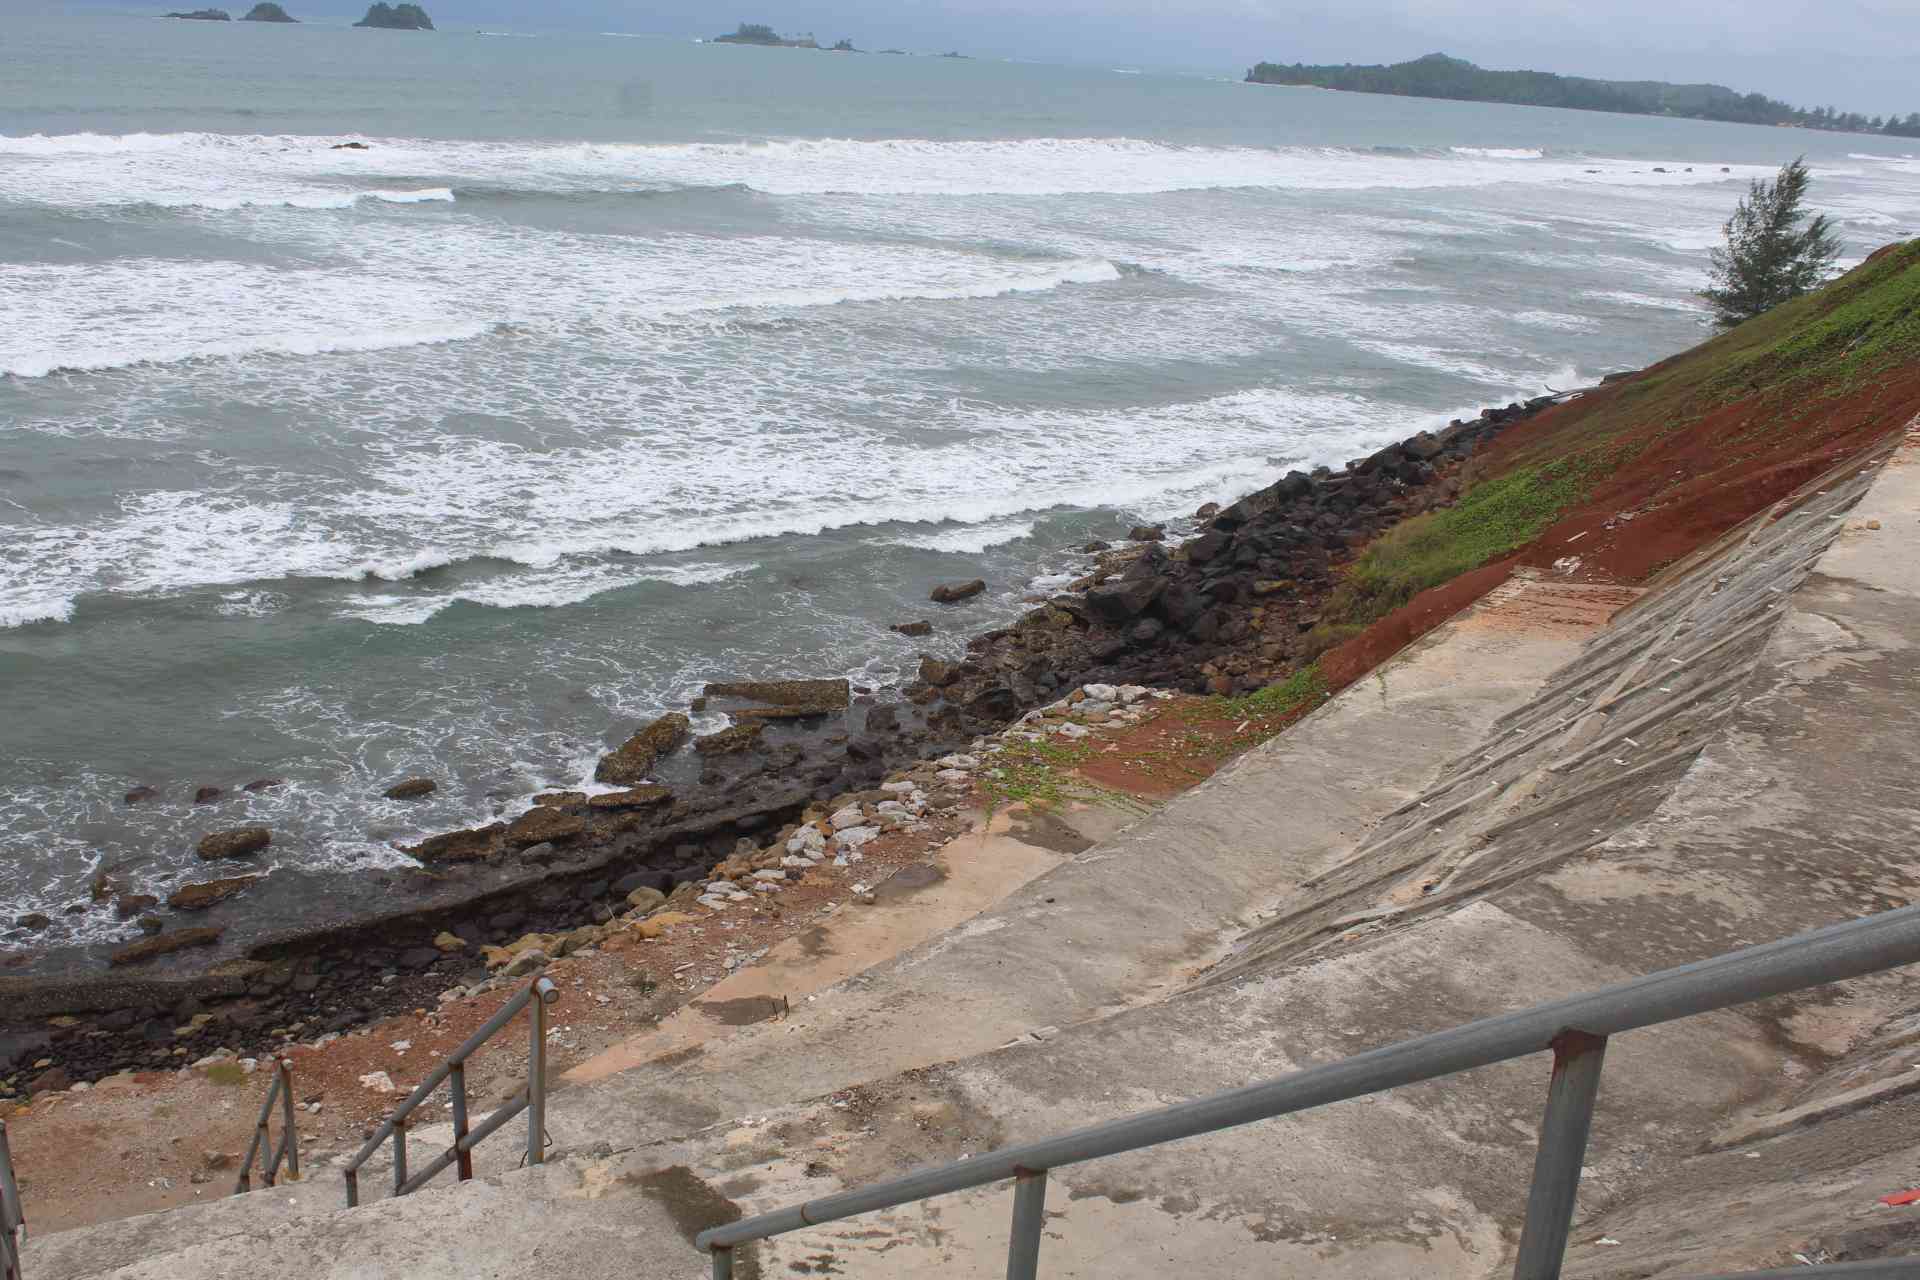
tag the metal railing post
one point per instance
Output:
(723, 1262)
(1577, 1058)
(292, 1139)
(1029, 1215)
(458, 1078)
(537, 1080)
(13, 1216)
(400, 1122)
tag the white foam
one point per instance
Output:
(421, 286)
(223, 171)
(1501, 153)
(549, 589)
(968, 538)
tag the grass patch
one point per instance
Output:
(1305, 688)
(1493, 519)
(1032, 773)
(226, 1073)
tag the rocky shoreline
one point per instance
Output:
(807, 770)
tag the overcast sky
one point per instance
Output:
(1859, 55)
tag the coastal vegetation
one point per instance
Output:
(1809, 368)
(268, 12)
(396, 17)
(204, 15)
(1440, 76)
(761, 34)
(1770, 257)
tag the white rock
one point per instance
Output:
(775, 876)
(900, 788)
(886, 807)
(249, 1065)
(854, 837)
(792, 861)
(1132, 693)
(765, 886)
(379, 1082)
(401, 1046)
(851, 816)
(848, 858)
(1094, 707)
(1072, 730)
(722, 886)
(79, 1086)
(212, 1058)
(957, 761)
(713, 900)
(953, 775)
(453, 993)
(1100, 693)
(806, 840)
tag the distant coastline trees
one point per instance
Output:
(1439, 76)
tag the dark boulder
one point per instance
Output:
(411, 789)
(1116, 602)
(1147, 533)
(954, 592)
(207, 795)
(469, 845)
(264, 784)
(937, 673)
(1207, 546)
(1146, 631)
(234, 844)
(141, 794)
(920, 628)
(198, 897)
(129, 905)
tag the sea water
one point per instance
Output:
(608, 366)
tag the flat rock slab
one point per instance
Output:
(819, 695)
(165, 944)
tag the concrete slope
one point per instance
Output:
(1768, 794)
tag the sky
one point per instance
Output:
(1859, 55)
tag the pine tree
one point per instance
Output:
(1769, 256)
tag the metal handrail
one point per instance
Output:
(280, 1091)
(13, 1219)
(1576, 1029)
(531, 1098)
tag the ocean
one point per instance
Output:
(610, 365)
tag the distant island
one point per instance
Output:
(761, 34)
(268, 13)
(205, 15)
(1439, 76)
(397, 17)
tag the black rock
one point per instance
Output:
(1206, 547)
(954, 592)
(1146, 631)
(921, 628)
(1116, 602)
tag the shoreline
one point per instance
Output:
(1225, 613)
